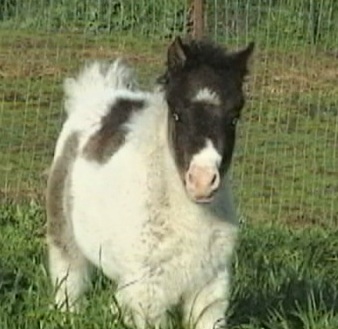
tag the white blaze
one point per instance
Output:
(208, 96)
(207, 157)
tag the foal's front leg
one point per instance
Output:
(143, 303)
(204, 308)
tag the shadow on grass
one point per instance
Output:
(13, 286)
(292, 298)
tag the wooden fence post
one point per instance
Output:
(195, 18)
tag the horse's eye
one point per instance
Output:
(176, 117)
(234, 121)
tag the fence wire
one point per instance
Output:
(286, 162)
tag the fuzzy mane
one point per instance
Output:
(203, 52)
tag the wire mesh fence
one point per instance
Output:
(286, 163)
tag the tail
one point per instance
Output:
(95, 81)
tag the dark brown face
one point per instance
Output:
(203, 88)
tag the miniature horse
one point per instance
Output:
(139, 188)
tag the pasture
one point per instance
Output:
(285, 273)
(283, 278)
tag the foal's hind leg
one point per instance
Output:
(68, 267)
(69, 273)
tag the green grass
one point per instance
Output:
(282, 278)
(277, 22)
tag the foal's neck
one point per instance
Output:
(162, 157)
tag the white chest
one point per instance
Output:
(125, 223)
(109, 207)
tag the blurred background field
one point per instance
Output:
(285, 171)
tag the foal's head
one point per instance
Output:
(203, 88)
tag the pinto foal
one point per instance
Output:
(139, 188)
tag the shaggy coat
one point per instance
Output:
(125, 191)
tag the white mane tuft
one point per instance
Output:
(96, 79)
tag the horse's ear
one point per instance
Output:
(176, 54)
(242, 57)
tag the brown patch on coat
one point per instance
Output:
(59, 231)
(111, 136)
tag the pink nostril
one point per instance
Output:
(202, 182)
(200, 179)
(213, 179)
